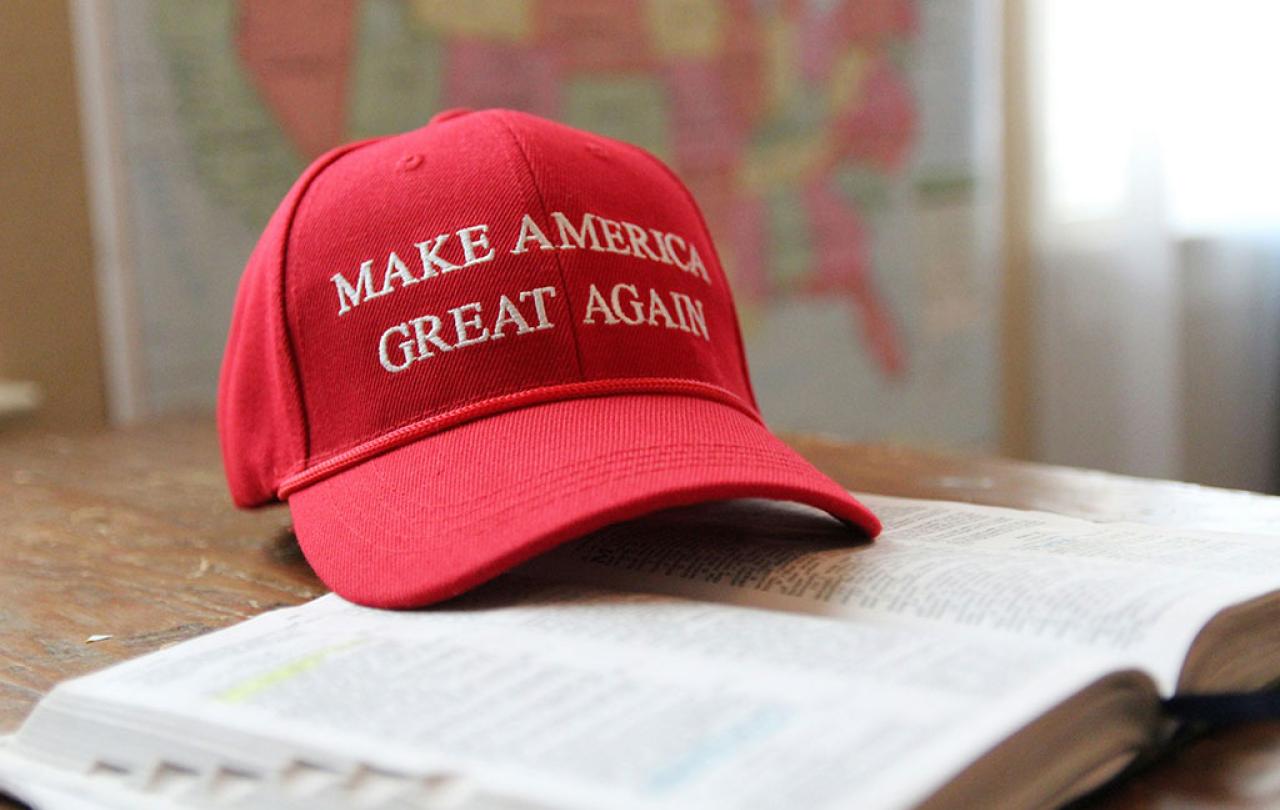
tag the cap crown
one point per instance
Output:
(484, 262)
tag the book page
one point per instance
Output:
(563, 696)
(1131, 591)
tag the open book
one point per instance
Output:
(739, 655)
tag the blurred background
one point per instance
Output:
(1048, 229)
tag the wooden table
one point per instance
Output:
(131, 535)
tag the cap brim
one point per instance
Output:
(433, 518)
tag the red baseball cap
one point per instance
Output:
(458, 347)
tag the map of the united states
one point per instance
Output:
(787, 119)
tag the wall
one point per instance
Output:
(843, 155)
(48, 314)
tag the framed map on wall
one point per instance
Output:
(843, 153)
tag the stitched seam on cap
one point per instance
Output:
(315, 170)
(542, 204)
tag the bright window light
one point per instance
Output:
(1187, 88)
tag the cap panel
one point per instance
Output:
(405, 300)
(261, 418)
(649, 296)
(715, 254)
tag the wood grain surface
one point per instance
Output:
(131, 535)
